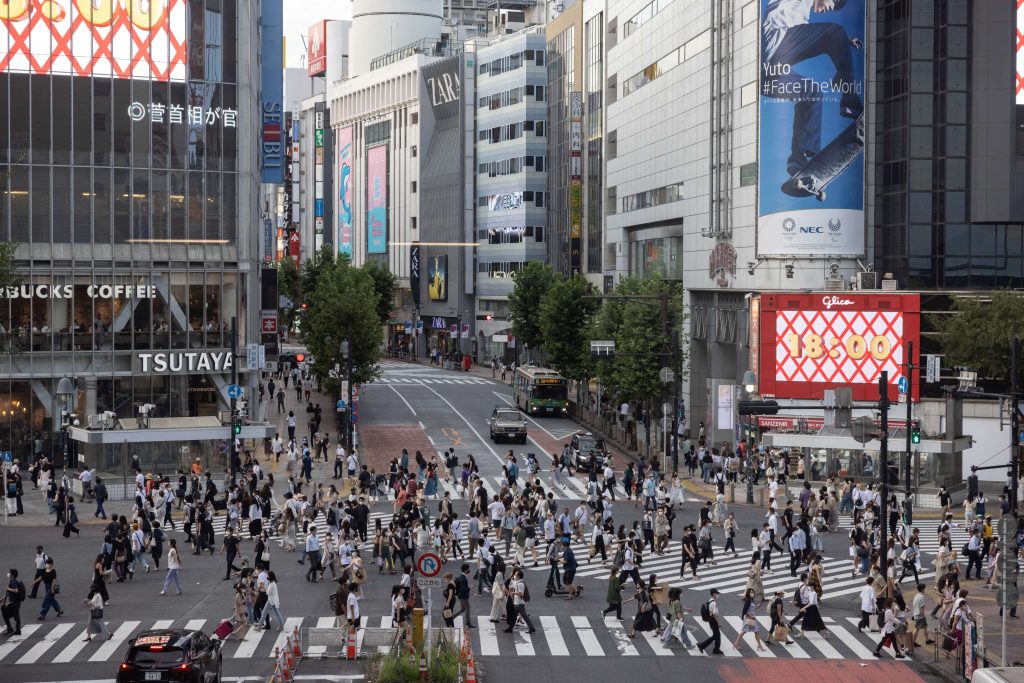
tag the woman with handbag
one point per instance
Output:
(750, 624)
(97, 627)
(450, 596)
(755, 585)
(778, 629)
(644, 619)
(98, 582)
(676, 618)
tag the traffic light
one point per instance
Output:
(236, 425)
(300, 358)
(915, 436)
(759, 407)
(488, 316)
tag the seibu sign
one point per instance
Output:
(68, 291)
(166, 362)
(808, 343)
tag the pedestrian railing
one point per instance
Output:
(323, 642)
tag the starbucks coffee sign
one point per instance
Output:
(189, 362)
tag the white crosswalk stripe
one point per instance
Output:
(556, 636)
(425, 379)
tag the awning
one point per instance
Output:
(169, 429)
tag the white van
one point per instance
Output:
(999, 674)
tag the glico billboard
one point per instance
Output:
(807, 343)
(115, 38)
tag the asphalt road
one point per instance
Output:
(573, 639)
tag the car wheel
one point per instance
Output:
(523, 440)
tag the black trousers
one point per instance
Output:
(715, 637)
(12, 610)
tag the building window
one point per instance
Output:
(651, 198)
(413, 186)
(412, 151)
(748, 174)
(412, 223)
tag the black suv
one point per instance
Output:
(586, 449)
(172, 655)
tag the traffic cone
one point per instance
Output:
(350, 646)
(423, 667)
(286, 668)
(470, 671)
(296, 648)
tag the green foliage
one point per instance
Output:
(402, 666)
(289, 285)
(636, 326)
(398, 666)
(312, 270)
(386, 284)
(564, 320)
(532, 283)
(444, 664)
(980, 333)
(8, 276)
(342, 306)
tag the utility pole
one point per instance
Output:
(234, 402)
(1011, 493)
(348, 381)
(908, 504)
(883, 456)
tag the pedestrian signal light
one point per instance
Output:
(300, 357)
(915, 436)
(236, 426)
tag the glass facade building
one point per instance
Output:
(128, 194)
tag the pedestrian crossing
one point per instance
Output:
(427, 379)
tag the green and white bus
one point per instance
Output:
(540, 391)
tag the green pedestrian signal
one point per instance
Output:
(915, 436)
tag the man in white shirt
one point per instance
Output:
(313, 553)
(609, 480)
(716, 630)
(496, 510)
(920, 619)
(867, 604)
(339, 461)
(277, 446)
(517, 589)
(353, 464)
(352, 606)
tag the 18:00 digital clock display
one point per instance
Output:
(856, 346)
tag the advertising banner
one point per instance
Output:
(345, 191)
(272, 142)
(114, 38)
(812, 342)
(377, 199)
(414, 275)
(437, 278)
(811, 141)
(317, 40)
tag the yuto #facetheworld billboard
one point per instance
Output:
(345, 191)
(811, 141)
(116, 38)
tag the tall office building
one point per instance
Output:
(130, 182)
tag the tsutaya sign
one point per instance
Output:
(184, 361)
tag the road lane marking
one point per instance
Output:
(250, 641)
(108, 648)
(622, 641)
(289, 628)
(586, 635)
(48, 641)
(654, 641)
(524, 644)
(824, 647)
(69, 652)
(469, 424)
(794, 650)
(727, 647)
(488, 637)
(848, 639)
(399, 395)
(556, 644)
(163, 623)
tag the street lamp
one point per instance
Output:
(66, 393)
(749, 387)
(346, 345)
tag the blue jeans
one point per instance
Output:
(99, 509)
(49, 600)
(172, 575)
(481, 577)
(140, 558)
(265, 616)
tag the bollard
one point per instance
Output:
(761, 497)
(732, 492)
(423, 667)
(417, 627)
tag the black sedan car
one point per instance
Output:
(588, 449)
(172, 655)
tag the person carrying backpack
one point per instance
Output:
(709, 614)
(13, 597)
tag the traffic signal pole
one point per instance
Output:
(908, 502)
(233, 452)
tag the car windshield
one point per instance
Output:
(508, 416)
(550, 392)
(148, 657)
(590, 443)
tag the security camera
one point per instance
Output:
(789, 270)
(751, 265)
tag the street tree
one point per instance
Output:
(979, 333)
(565, 319)
(312, 269)
(532, 283)
(289, 285)
(342, 306)
(385, 284)
(643, 345)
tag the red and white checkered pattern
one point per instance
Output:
(1020, 52)
(76, 37)
(839, 325)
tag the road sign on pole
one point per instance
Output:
(428, 565)
(903, 384)
(234, 391)
(6, 456)
(341, 406)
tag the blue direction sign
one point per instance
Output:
(355, 419)
(903, 384)
(234, 391)
(6, 456)
(341, 405)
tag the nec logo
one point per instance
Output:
(812, 229)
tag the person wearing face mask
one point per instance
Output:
(12, 600)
